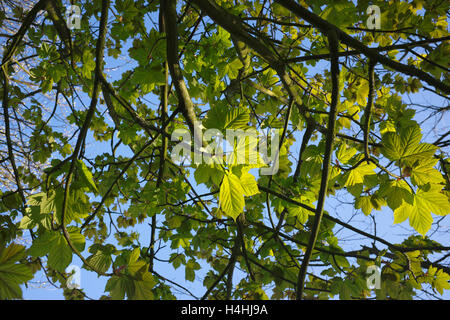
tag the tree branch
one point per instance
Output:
(368, 110)
(9, 53)
(333, 44)
(184, 99)
(326, 27)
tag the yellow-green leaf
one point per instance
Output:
(419, 213)
(424, 172)
(231, 195)
(356, 175)
(406, 146)
(249, 184)
(12, 274)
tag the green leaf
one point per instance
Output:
(55, 245)
(365, 204)
(436, 202)
(118, 287)
(48, 204)
(88, 64)
(78, 205)
(143, 288)
(44, 205)
(396, 193)
(402, 213)
(341, 261)
(339, 14)
(137, 286)
(202, 174)
(12, 274)
(86, 176)
(356, 175)
(11, 200)
(206, 172)
(190, 268)
(301, 213)
(100, 260)
(134, 255)
(26, 223)
(406, 147)
(249, 184)
(419, 213)
(441, 282)
(231, 195)
(420, 218)
(362, 93)
(424, 172)
(222, 118)
(237, 118)
(344, 153)
(232, 68)
(137, 268)
(42, 244)
(177, 259)
(11, 253)
(312, 161)
(60, 254)
(245, 151)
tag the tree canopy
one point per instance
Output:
(353, 113)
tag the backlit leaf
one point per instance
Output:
(231, 195)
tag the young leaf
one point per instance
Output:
(356, 175)
(365, 204)
(55, 245)
(419, 213)
(345, 153)
(441, 282)
(396, 192)
(231, 195)
(86, 176)
(100, 260)
(424, 172)
(143, 288)
(249, 184)
(301, 213)
(406, 147)
(227, 118)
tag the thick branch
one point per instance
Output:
(184, 99)
(378, 49)
(333, 43)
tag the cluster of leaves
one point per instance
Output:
(258, 224)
